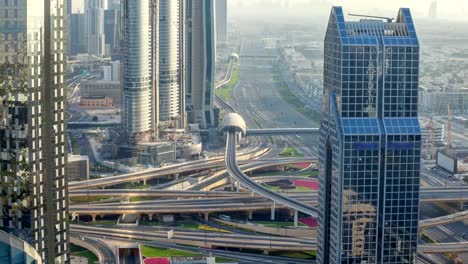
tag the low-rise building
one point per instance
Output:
(96, 101)
(103, 88)
(78, 168)
(156, 153)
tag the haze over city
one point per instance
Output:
(233, 131)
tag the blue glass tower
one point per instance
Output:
(370, 142)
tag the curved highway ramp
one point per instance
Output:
(235, 172)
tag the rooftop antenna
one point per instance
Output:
(389, 19)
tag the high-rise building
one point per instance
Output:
(33, 137)
(76, 39)
(94, 27)
(169, 60)
(112, 30)
(221, 21)
(370, 138)
(201, 60)
(138, 66)
(433, 10)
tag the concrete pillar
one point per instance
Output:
(252, 194)
(207, 215)
(461, 205)
(150, 217)
(266, 252)
(250, 215)
(176, 176)
(93, 218)
(238, 186)
(273, 211)
(144, 182)
(295, 218)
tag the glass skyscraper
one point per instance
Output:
(370, 141)
(33, 136)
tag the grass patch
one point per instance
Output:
(465, 179)
(190, 226)
(137, 186)
(224, 260)
(291, 99)
(88, 199)
(275, 224)
(291, 152)
(225, 91)
(273, 188)
(83, 252)
(300, 255)
(140, 199)
(155, 252)
(100, 222)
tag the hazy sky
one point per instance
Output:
(447, 9)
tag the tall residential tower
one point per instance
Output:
(137, 63)
(370, 142)
(169, 59)
(94, 27)
(33, 137)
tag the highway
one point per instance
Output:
(203, 205)
(202, 238)
(449, 194)
(103, 251)
(171, 170)
(235, 172)
(443, 220)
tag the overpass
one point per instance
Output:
(454, 247)
(174, 170)
(235, 172)
(103, 251)
(443, 220)
(451, 194)
(203, 239)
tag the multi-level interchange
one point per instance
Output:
(369, 139)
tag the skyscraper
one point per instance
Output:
(76, 34)
(112, 30)
(370, 142)
(221, 21)
(433, 10)
(169, 60)
(201, 60)
(94, 27)
(138, 65)
(33, 44)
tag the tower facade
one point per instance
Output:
(169, 60)
(94, 27)
(33, 137)
(201, 60)
(221, 21)
(370, 142)
(137, 63)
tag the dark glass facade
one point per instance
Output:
(33, 45)
(370, 142)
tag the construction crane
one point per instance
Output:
(429, 146)
(449, 130)
(389, 19)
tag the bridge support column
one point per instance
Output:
(176, 176)
(250, 215)
(295, 218)
(207, 216)
(265, 252)
(144, 182)
(461, 205)
(150, 217)
(273, 207)
(238, 186)
(93, 218)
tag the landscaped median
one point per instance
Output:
(225, 91)
(156, 255)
